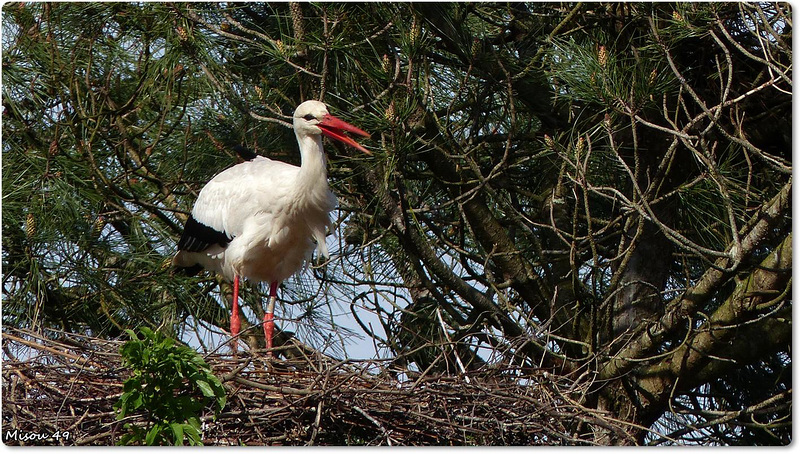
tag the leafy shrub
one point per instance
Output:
(171, 384)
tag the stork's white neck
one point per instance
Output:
(313, 174)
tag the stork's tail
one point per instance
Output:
(180, 267)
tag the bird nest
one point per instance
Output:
(60, 388)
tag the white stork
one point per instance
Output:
(259, 220)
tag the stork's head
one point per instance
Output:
(312, 118)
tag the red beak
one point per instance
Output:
(334, 128)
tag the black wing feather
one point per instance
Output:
(244, 153)
(198, 237)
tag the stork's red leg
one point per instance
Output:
(235, 323)
(269, 316)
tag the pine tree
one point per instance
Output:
(601, 190)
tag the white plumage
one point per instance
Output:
(272, 221)
(261, 219)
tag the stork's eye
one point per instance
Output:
(309, 117)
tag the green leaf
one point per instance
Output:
(194, 422)
(126, 439)
(221, 400)
(205, 388)
(153, 434)
(122, 405)
(193, 434)
(177, 432)
(148, 333)
(132, 384)
(138, 400)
